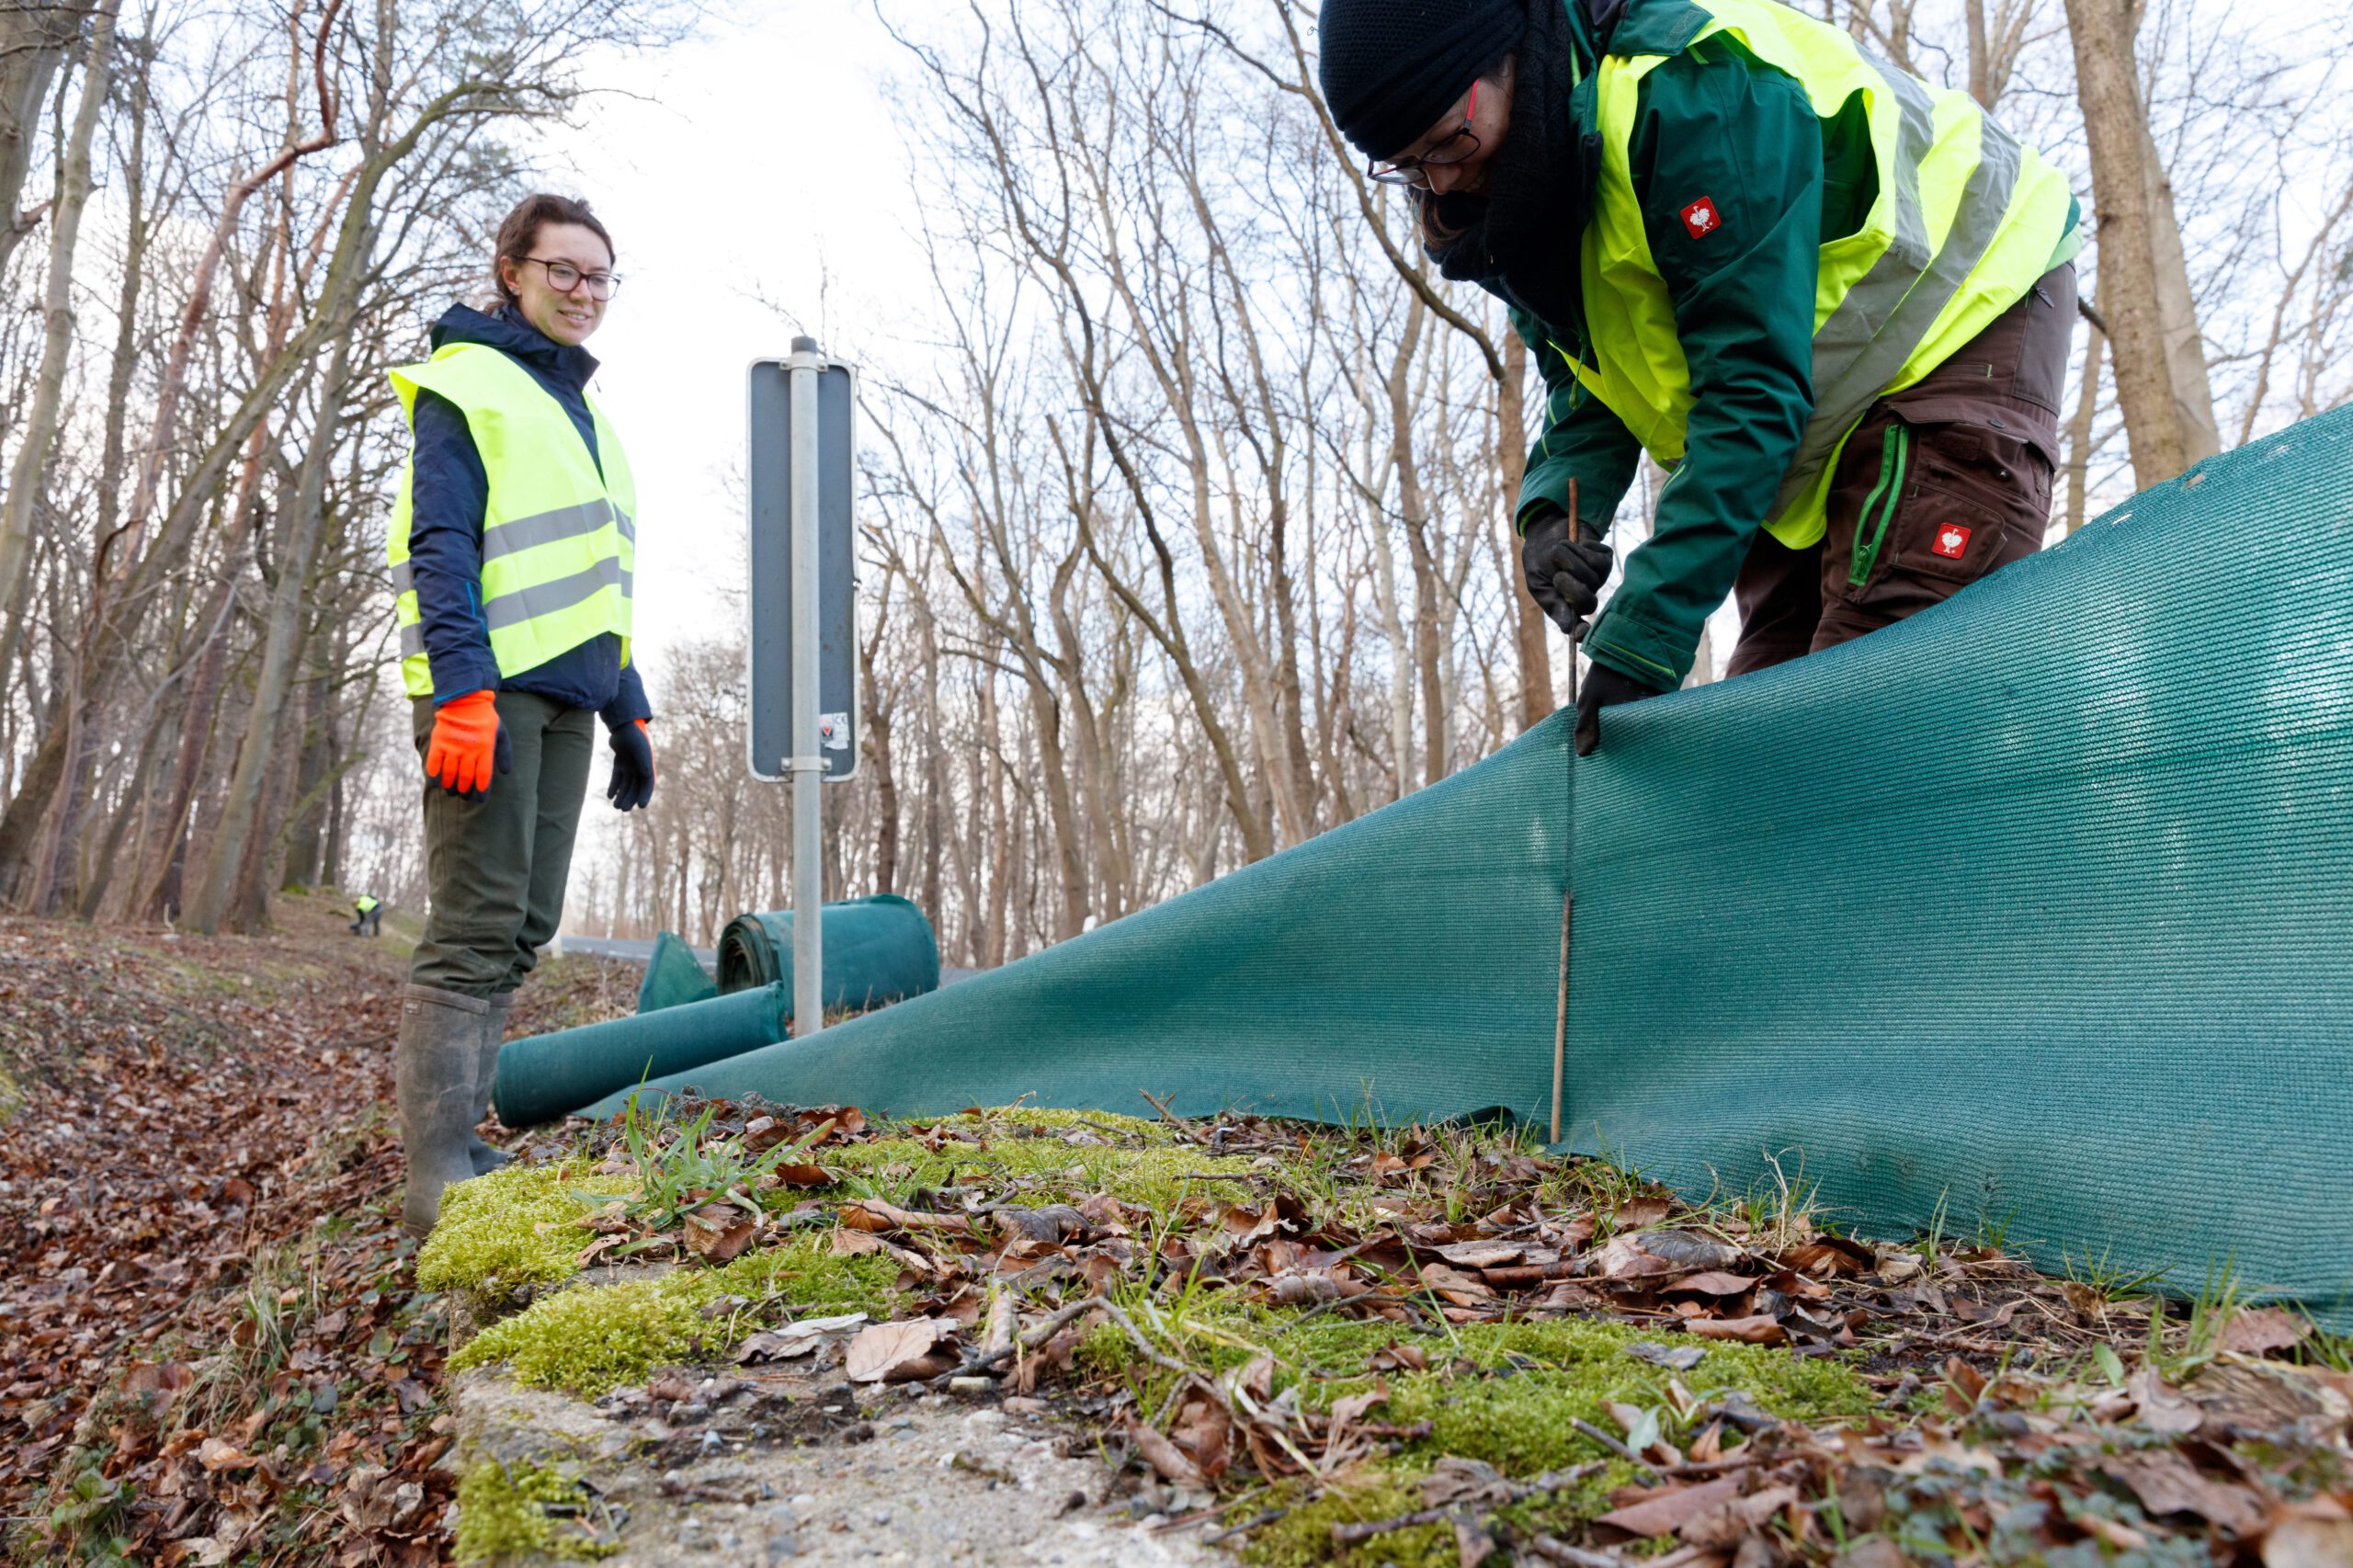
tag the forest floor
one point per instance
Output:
(748, 1334)
(212, 1350)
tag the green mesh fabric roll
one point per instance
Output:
(2030, 912)
(541, 1077)
(877, 950)
(1406, 963)
(673, 976)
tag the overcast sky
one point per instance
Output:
(756, 173)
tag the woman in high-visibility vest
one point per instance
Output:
(1833, 300)
(512, 549)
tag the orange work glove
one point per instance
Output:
(467, 744)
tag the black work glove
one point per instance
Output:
(1603, 688)
(1564, 573)
(633, 780)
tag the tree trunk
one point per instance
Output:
(2150, 323)
(1528, 624)
(34, 37)
(231, 859)
(57, 310)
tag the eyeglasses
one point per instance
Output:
(1454, 148)
(563, 277)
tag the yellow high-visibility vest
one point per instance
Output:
(1966, 218)
(559, 541)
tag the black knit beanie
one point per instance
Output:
(1391, 68)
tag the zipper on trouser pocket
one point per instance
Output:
(1895, 447)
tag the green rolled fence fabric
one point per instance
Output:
(542, 1077)
(1407, 962)
(2031, 910)
(877, 950)
(673, 976)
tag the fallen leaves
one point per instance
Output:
(1758, 1330)
(897, 1352)
(2165, 1483)
(804, 1338)
(718, 1233)
(192, 1136)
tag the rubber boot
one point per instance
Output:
(483, 1156)
(440, 1039)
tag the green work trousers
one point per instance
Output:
(495, 864)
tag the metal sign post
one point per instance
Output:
(804, 632)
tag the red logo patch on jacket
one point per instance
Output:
(1702, 218)
(1951, 541)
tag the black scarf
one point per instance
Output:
(1519, 239)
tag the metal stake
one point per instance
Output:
(808, 764)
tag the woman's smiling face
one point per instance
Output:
(566, 315)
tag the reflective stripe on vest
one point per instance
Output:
(559, 541)
(1964, 221)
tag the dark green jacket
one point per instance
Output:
(1711, 122)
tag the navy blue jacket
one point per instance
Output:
(449, 494)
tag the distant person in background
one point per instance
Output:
(368, 916)
(513, 551)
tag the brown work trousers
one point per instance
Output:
(1941, 483)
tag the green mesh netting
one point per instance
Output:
(877, 950)
(2032, 909)
(541, 1077)
(673, 976)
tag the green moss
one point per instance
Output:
(1159, 1177)
(1526, 1381)
(592, 1338)
(1303, 1535)
(502, 1513)
(515, 1226)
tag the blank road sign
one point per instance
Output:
(769, 736)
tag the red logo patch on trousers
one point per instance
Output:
(1951, 541)
(1702, 218)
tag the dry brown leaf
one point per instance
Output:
(873, 1214)
(1643, 1254)
(803, 1175)
(2162, 1409)
(796, 1340)
(1302, 1288)
(1165, 1457)
(1454, 1479)
(1205, 1432)
(1758, 1330)
(1712, 1283)
(1483, 1255)
(2318, 1534)
(1348, 1411)
(1636, 1213)
(2167, 1483)
(1455, 1286)
(1472, 1544)
(854, 1244)
(216, 1456)
(2262, 1330)
(718, 1233)
(1725, 1523)
(893, 1352)
(1828, 1255)
(1665, 1511)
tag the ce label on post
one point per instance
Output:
(801, 454)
